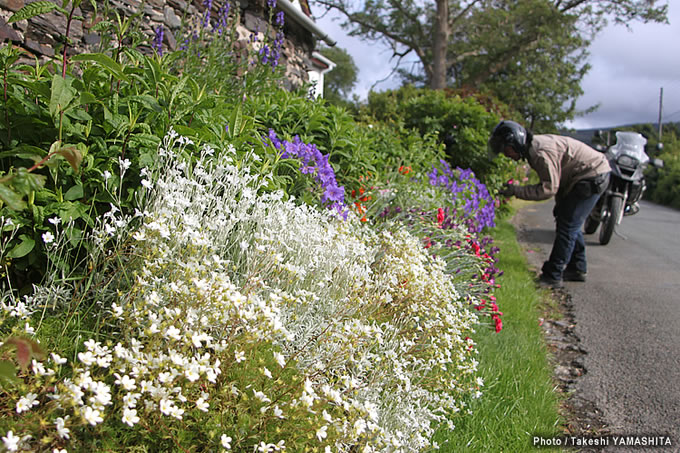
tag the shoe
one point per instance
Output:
(574, 276)
(548, 282)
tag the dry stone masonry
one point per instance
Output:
(42, 36)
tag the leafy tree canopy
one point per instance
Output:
(530, 53)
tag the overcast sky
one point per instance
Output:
(629, 67)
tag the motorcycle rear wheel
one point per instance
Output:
(609, 216)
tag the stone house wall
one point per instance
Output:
(41, 36)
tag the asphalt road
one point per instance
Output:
(627, 317)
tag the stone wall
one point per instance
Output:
(42, 36)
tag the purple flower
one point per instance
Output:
(315, 164)
(158, 40)
(206, 15)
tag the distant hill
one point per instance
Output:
(588, 135)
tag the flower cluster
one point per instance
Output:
(471, 198)
(429, 211)
(313, 162)
(265, 325)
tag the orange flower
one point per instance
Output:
(404, 170)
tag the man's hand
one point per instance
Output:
(507, 190)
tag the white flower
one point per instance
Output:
(62, 430)
(130, 399)
(25, 403)
(54, 220)
(202, 405)
(262, 397)
(57, 450)
(125, 381)
(117, 310)
(322, 433)
(92, 416)
(48, 237)
(107, 175)
(11, 441)
(226, 441)
(130, 417)
(173, 332)
(264, 447)
(192, 372)
(278, 413)
(146, 183)
(166, 406)
(29, 329)
(280, 359)
(267, 373)
(124, 164)
(240, 356)
(87, 358)
(58, 359)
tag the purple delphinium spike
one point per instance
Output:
(316, 164)
(206, 15)
(158, 40)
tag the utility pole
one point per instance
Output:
(660, 112)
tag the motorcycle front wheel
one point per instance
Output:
(609, 215)
(590, 225)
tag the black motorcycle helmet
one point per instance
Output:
(509, 133)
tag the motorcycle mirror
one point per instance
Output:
(658, 163)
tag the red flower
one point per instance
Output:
(499, 323)
(440, 216)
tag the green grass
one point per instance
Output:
(519, 399)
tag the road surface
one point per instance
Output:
(627, 318)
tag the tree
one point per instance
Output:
(492, 43)
(340, 81)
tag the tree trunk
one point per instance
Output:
(439, 46)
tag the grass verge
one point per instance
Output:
(519, 399)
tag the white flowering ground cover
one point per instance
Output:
(225, 317)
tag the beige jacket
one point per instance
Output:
(560, 163)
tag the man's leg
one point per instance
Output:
(569, 245)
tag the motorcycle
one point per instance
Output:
(628, 161)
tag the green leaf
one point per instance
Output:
(23, 248)
(35, 9)
(70, 210)
(26, 182)
(11, 198)
(236, 123)
(148, 101)
(87, 98)
(108, 63)
(74, 193)
(8, 373)
(62, 95)
(24, 151)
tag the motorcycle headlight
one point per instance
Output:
(627, 161)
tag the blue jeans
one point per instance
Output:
(569, 247)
